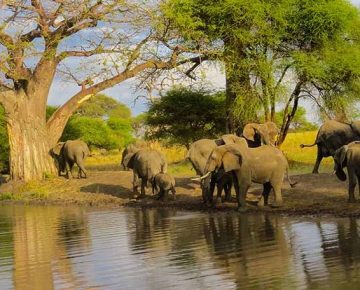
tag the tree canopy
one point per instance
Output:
(93, 44)
(276, 52)
(101, 122)
(183, 116)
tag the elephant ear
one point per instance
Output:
(128, 160)
(231, 161)
(263, 132)
(273, 131)
(57, 149)
(249, 131)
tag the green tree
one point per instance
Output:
(106, 42)
(101, 122)
(182, 116)
(276, 52)
(93, 131)
(299, 122)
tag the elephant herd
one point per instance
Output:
(230, 161)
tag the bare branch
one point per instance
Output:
(282, 76)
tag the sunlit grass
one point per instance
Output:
(303, 159)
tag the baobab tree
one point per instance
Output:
(98, 44)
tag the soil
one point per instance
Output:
(314, 194)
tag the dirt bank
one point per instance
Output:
(313, 195)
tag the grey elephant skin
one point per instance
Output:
(163, 183)
(265, 165)
(331, 136)
(257, 134)
(348, 156)
(198, 154)
(146, 164)
(131, 149)
(68, 153)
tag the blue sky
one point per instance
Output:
(125, 92)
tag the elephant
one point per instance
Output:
(266, 165)
(198, 154)
(162, 184)
(131, 149)
(68, 153)
(348, 156)
(331, 136)
(145, 163)
(258, 134)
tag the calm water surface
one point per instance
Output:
(74, 248)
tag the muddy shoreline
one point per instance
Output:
(314, 195)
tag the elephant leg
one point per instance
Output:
(264, 200)
(165, 195)
(358, 181)
(228, 191)
(173, 192)
(219, 188)
(212, 189)
(160, 195)
(319, 157)
(80, 164)
(143, 185)
(241, 197)
(278, 197)
(352, 185)
(69, 166)
(135, 183)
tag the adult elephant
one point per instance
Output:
(68, 153)
(146, 163)
(331, 136)
(258, 134)
(348, 156)
(266, 165)
(131, 149)
(198, 154)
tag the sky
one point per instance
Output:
(125, 92)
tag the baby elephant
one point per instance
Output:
(162, 184)
(348, 156)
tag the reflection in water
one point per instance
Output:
(73, 248)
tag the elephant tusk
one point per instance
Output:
(204, 176)
(334, 172)
(201, 177)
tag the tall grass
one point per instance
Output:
(303, 158)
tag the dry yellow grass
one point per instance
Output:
(303, 156)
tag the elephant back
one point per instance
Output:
(149, 162)
(333, 134)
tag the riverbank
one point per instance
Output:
(319, 194)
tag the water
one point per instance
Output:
(75, 248)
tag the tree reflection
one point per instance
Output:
(42, 245)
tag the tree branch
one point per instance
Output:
(57, 121)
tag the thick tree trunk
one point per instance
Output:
(29, 141)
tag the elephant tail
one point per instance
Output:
(311, 145)
(308, 145)
(292, 184)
